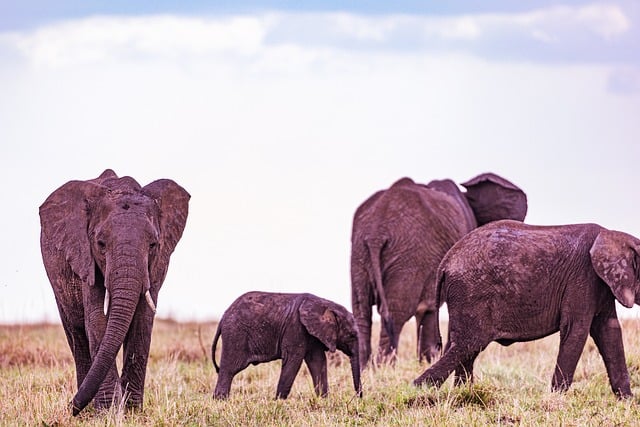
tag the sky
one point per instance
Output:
(280, 118)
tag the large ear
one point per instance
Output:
(173, 203)
(493, 198)
(319, 321)
(614, 256)
(64, 219)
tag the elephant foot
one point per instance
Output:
(428, 378)
(220, 395)
(624, 392)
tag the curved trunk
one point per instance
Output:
(355, 372)
(123, 306)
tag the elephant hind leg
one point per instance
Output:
(459, 356)
(388, 346)
(464, 371)
(230, 365)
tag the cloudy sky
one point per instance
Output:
(281, 118)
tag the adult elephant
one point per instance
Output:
(510, 282)
(399, 237)
(106, 244)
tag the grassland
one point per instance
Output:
(511, 388)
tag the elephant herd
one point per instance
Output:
(106, 245)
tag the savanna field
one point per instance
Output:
(511, 388)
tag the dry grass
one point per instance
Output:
(511, 388)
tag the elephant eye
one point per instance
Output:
(101, 244)
(153, 245)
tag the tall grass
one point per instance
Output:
(511, 387)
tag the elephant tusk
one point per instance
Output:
(106, 301)
(147, 296)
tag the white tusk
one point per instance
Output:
(106, 301)
(147, 296)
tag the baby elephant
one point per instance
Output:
(508, 282)
(261, 327)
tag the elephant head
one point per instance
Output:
(615, 256)
(115, 238)
(493, 198)
(335, 327)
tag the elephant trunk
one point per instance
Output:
(355, 372)
(126, 291)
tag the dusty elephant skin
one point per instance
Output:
(261, 326)
(106, 244)
(399, 237)
(510, 282)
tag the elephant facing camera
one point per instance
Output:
(106, 244)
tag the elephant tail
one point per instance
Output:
(213, 348)
(375, 252)
(440, 291)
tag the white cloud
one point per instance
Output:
(105, 39)
(102, 39)
(606, 20)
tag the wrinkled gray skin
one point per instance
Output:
(261, 326)
(510, 282)
(110, 234)
(399, 237)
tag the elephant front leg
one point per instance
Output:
(136, 355)
(316, 361)
(606, 333)
(573, 336)
(290, 366)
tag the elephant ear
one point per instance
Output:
(173, 204)
(614, 256)
(64, 219)
(493, 198)
(319, 321)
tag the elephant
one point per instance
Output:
(399, 236)
(511, 282)
(264, 326)
(106, 244)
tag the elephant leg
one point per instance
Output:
(459, 356)
(361, 304)
(223, 385)
(290, 366)
(573, 336)
(136, 354)
(606, 333)
(230, 365)
(388, 347)
(440, 371)
(429, 340)
(316, 361)
(464, 371)
(77, 340)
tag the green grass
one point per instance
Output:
(511, 387)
